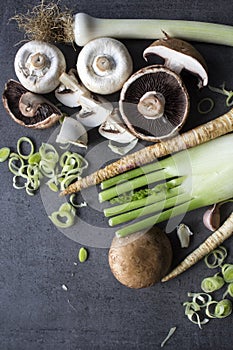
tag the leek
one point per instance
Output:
(197, 177)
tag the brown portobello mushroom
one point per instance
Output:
(142, 259)
(154, 103)
(178, 55)
(29, 109)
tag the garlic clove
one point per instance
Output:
(184, 233)
(211, 217)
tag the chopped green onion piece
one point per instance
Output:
(57, 216)
(82, 255)
(191, 311)
(48, 153)
(53, 187)
(67, 181)
(203, 101)
(229, 291)
(63, 158)
(4, 154)
(16, 182)
(210, 284)
(222, 90)
(75, 205)
(200, 297)
(216, 257)
(170, 333)
(227, 272)
(19, 146)
(13, 163)
(223, 308)
(34, 158)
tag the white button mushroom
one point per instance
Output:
(38, 66)
(103, 65)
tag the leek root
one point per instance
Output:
(211, 130)
(212, 242)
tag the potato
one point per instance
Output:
(140, 260)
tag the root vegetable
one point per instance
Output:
(192, 138)
(142, 259)
(212, 242)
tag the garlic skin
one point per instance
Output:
(103, 65)
(184, 233)
(38, 66)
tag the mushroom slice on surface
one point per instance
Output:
(179, 54)
(114, 129)
(154, 103)
(103, 65)
(38, 66)
(29, 109)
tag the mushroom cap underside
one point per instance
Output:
(160, 80)
(19, 103)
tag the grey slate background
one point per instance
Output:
(36, 259)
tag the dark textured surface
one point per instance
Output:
(36, 259)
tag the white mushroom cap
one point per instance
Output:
(103, 65)
(38, 66)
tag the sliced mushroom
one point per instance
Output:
(70, 89)
(103, 65)
(154, 103)
(38, 66)
(114, 129)
(73, 93)
(29, 109)
(178, 55)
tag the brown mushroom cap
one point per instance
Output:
(141, 259)
(165, 86)
(29, 109)
(179, 54)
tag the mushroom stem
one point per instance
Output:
(102, 64)
(38, 60)
(29, 103)
(151, 105)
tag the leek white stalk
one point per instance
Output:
(87, 28)
(39, 24)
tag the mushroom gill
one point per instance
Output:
(154, 103)
(29, 109)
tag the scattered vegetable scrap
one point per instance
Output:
(170, 334)
(82, 255)
(212, 242)
(202, 303)
(184, 233)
